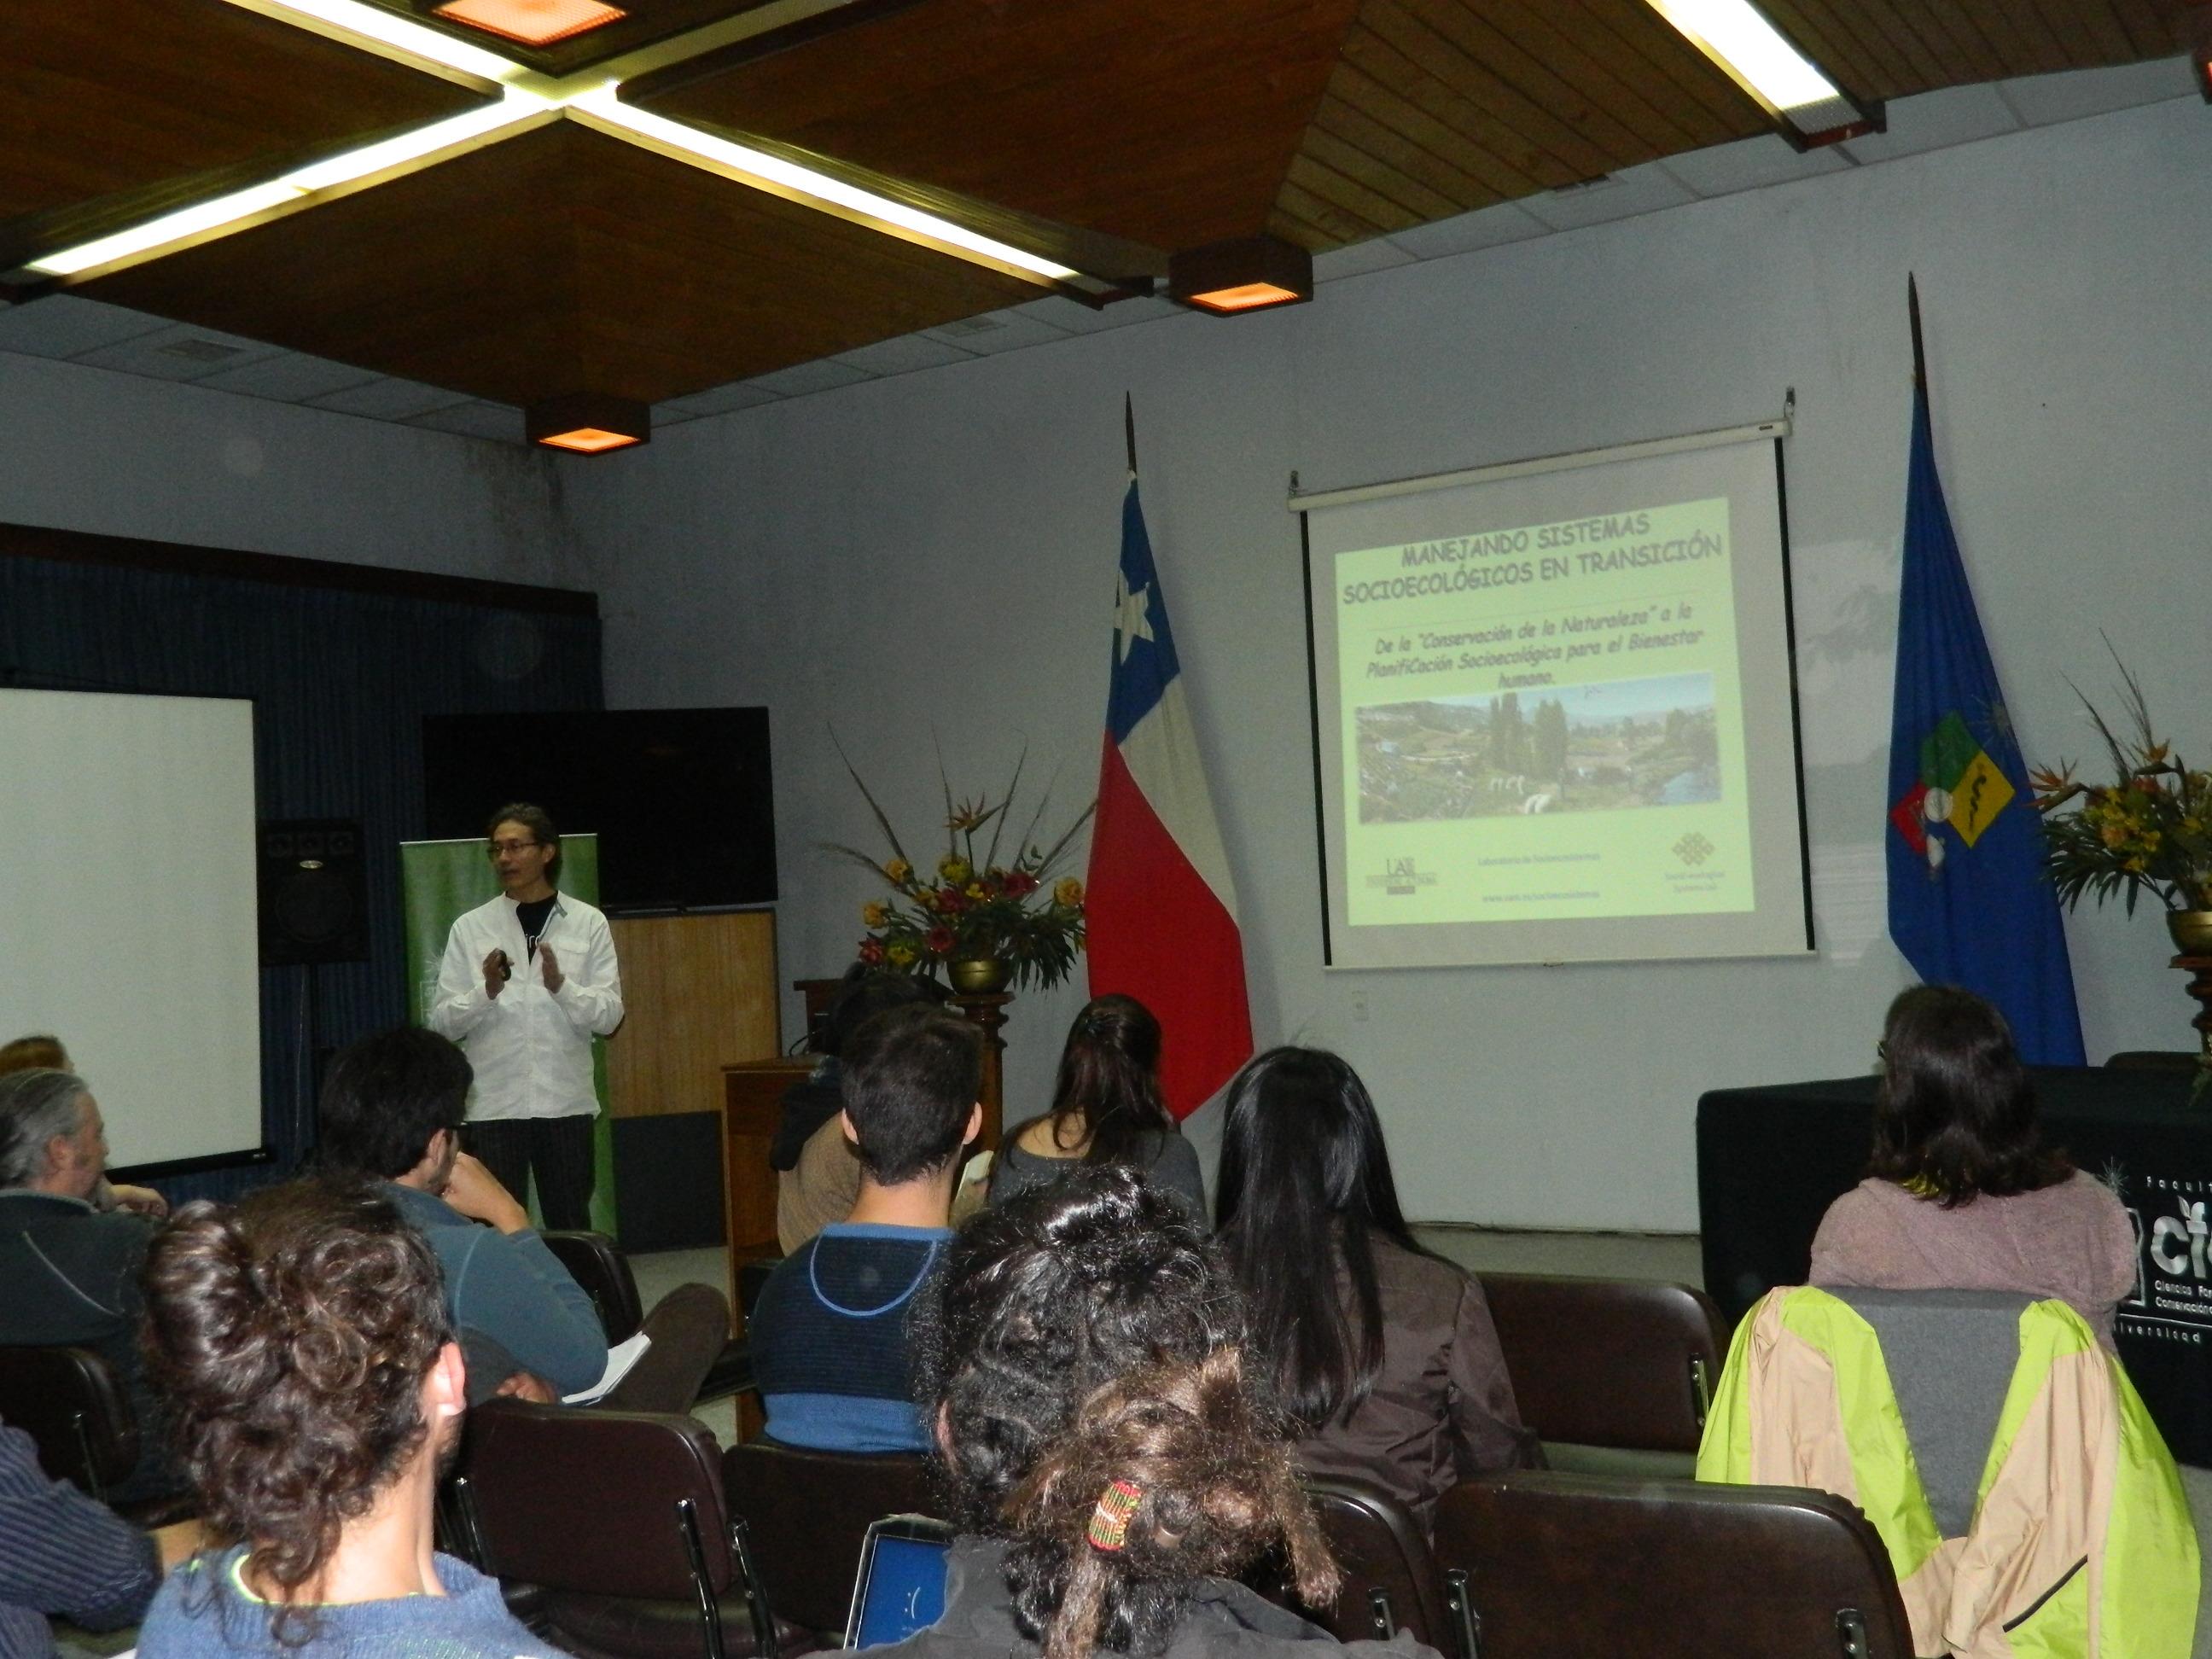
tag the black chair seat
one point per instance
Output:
(731, 1373)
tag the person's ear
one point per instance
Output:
(974, 1125)
(446, 1390)
(851, 1133)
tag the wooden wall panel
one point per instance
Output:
(701, 992)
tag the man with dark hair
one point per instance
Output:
(391, 1111)
(528, 980)
(829, 1335)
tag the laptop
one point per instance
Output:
(901, 1586)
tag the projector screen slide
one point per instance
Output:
(127, 883)
(1555, 716)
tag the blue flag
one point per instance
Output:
(1970, 903)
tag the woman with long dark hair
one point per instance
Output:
(1961, 1193)
(1389, 1362)
(1106, 1108)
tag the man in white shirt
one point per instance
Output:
(527, 982)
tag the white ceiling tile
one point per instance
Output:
(477, 420)
(2041, 100)
(182, 351)
(1937, 120)
(62, 325)
(1070, 317)
(821, 375)
(998, 331)
(718, 400)
(1490, 226)
(902, 354)
(1376, 253)
(669, 414)
(289, 376)
(1749, 164)
(389, 399)
(1639, 190)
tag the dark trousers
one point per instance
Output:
(556, 1149)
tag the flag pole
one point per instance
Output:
(1919, 353)
(1129, 430)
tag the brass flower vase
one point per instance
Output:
(2192, 930)
(976, 976)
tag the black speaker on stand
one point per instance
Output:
(314, 909)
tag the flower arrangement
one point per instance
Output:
(975, 905)
(2149, 831)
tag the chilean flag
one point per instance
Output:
(1161, 909)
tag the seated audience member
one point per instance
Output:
(1111, 1462)
(817, 1176)
(829, 1335)
(391, 1111)
(41, 1051)
(1961, 1193)
(63, 1554)
(1106, 1108)
(1389, 1363)
(303, 1338)
(68, 1272)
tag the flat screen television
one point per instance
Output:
(680, 798)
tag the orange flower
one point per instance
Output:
(1067, 892)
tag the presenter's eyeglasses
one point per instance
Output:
(493, 849)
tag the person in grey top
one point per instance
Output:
(1106, 1108)
(303, 1339)
(1111, 1463)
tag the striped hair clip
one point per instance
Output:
(1110, 1521)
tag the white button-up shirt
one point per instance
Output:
(532, 1047)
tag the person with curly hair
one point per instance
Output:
(1106, 1108)
(1961, 1193)
(1111, 1458)
(316, 1389)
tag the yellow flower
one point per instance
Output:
(1067, 892)
(901, 956)
(975, 890)
(954, 869)
(897, 872)
(873, 915)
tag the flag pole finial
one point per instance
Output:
(1129, 430)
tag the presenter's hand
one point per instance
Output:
(475, 1193)
(140, 1201)
(494, 979)
(551, 965)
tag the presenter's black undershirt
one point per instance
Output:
(533, 917)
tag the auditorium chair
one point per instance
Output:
(807, 1512)
(69, 1401)
(1613, 1375)
(614, 1523)
(595, 1262)
(1391, 1577)
(1539, 1564)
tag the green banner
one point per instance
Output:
(439, 882)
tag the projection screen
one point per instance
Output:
(1554, 708)
(127, 887)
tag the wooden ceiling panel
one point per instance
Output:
(1883, 49)
(1438, 105)
(98, 99)
(562, 261)
(646, 23)
(1161, 121)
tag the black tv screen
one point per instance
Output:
(680, 798)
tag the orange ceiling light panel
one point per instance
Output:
(589, 439)
(533, 22)
(1247, 297)
(1247, 273)
(588, 423)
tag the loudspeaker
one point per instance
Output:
(314, 893)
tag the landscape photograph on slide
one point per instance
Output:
(1569, 748)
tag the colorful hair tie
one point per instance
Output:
(1110, 1521)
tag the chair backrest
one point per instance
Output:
(1390, 1579)
(807, 1513)
(593, 1262)
(69, 1401)
(1608, 1362)
(587, 1500)
(1546, 1564)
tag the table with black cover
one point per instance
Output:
(1771, 1160)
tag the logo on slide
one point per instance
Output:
(1402, 876)
(1694, 848)
(1960, 785)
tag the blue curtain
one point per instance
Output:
(340, 682)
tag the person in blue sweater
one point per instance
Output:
(829, 1335)
(316, 1387)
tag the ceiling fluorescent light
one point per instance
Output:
(169, 228)
(424, 141)
(804, 181)
(373, 25)
(1747, 48)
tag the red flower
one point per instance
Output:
(939, 941)
(1020, 883)
(950, 901)
(872, 952)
